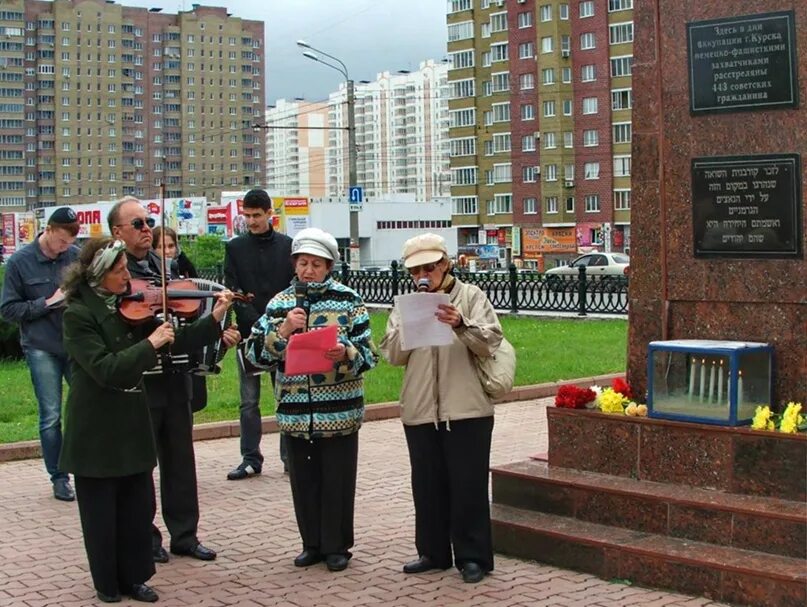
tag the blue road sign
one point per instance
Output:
(355, 197)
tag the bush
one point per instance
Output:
(205, 251)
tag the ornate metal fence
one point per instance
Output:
(511, 290)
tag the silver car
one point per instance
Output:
(599, 266)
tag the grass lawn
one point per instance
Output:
(548, 350)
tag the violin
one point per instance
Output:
(145, 300)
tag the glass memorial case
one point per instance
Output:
(711, 382)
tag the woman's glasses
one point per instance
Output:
(138, 223)
(426, 267)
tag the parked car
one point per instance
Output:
(599, 266)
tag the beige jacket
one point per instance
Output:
(440, 383)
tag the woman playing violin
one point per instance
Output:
(108, 443)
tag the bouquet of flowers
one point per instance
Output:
(572, 397)
(789, 422)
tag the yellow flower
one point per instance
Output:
(611, 402)
(791, 420)
(641, 410)
(631, 410)
(762, 419)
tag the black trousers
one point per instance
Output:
(173, 433)
(450, 489)
(115, 519)
(322, 472)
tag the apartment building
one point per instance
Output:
(297, 147)
(401, 134)
(540, 127)
(101, 100)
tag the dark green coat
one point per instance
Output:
(107, 424)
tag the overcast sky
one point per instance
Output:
(369, 36)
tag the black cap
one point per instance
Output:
(63, 216)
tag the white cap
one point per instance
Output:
(424, 248)
(315, 242)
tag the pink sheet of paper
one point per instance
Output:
(306, 351)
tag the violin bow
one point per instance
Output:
(163, 268)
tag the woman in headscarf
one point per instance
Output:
(320, 413)
(108, 443)
(448, 418)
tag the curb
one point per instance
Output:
(377, 412)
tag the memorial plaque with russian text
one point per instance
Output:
(747, 206)
(743, 63)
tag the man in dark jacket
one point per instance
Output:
(32, 298)
(168, 388)
(258, 262)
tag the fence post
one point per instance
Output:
(581, 291)
(220, 273)
(513, 288)
(345, 273)
(395, 285)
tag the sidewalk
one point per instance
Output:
(251, 524)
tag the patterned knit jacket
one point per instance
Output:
(319, 405)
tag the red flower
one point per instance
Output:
(572, 397)
(622, 387)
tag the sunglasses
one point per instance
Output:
(138, 224)
(426, 267)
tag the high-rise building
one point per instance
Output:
(103, 100)
(401, 138)
(541, 126)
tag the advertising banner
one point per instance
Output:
(92, 218)
(183, 215)
(9, 234)
(537, 241)
(296, 215)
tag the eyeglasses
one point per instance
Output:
(138, 223)
(426, 267)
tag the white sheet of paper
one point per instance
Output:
(419, 326)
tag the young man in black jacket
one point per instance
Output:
(258, 262)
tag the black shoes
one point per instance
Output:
(472, 573)
(197, 552)
(242, 471)
(143, 593)
(108, 598)
(63, 491)
(159, 554)
(424, 563)
(307, 558)
(336, 562)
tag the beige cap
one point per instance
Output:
(424, 248)
(315, 242)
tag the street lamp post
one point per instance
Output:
(355, 249)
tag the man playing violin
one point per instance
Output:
(168, 387)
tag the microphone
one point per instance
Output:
(301, 298)
(423, 285)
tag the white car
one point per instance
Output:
(597, 264)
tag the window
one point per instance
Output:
(589, 105)
(504, 203)
(486, 59)
(622, 166)
(568, 139)
(619, 5)
(529, 206)
(464, 176)
(621, 99)
(587, 9)
(465, 146)
(502, 173)
(546, 12)
(528, 174)
(592, 170)
(621, 200)
(547, 44)
(591, 138)
(549, 108)
(551, 173)
(501, 142)
(460, 31)
(524, 20)
(550, 141)
(567, 107)
(622, 132)
(498, 52)
(592, 203)
(501, 112)
(548, 75)
(526, 81)
(566, 75)
(526, 50)
(462, 88)
(551, 204)
(621, 66)
(528, 143)
(501, 82)
(587, 41)
(455, 6)
(570, 204)
(465, 205)
(462, 59)
(563, 12)
(498, 22)
(528, 112)
(588, 73)
(619, 33)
